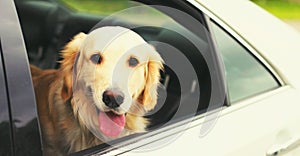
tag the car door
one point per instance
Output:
(247, 125)
(19, 114)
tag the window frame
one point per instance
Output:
(6, 118)
(16, 68)
(134, 140)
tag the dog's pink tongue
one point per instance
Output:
(111, 124)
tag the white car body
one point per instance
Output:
(258, 125)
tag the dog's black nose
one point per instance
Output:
(113, 98)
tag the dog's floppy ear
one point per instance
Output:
(152, 74)
(70, 55)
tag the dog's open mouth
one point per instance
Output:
(111, 124)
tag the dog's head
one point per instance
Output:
(112, 75)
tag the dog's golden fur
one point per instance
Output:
(67, 114)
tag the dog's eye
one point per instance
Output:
(96, 58)
(133, 62)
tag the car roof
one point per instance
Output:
(276, 41)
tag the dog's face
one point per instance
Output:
(115, 75)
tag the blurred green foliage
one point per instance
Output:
(284, 9)
(103, 7)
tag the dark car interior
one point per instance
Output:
(47, 26)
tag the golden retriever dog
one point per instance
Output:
(107, 81)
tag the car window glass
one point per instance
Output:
(245, 75)
(185, 75)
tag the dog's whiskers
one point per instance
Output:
(137, 109)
